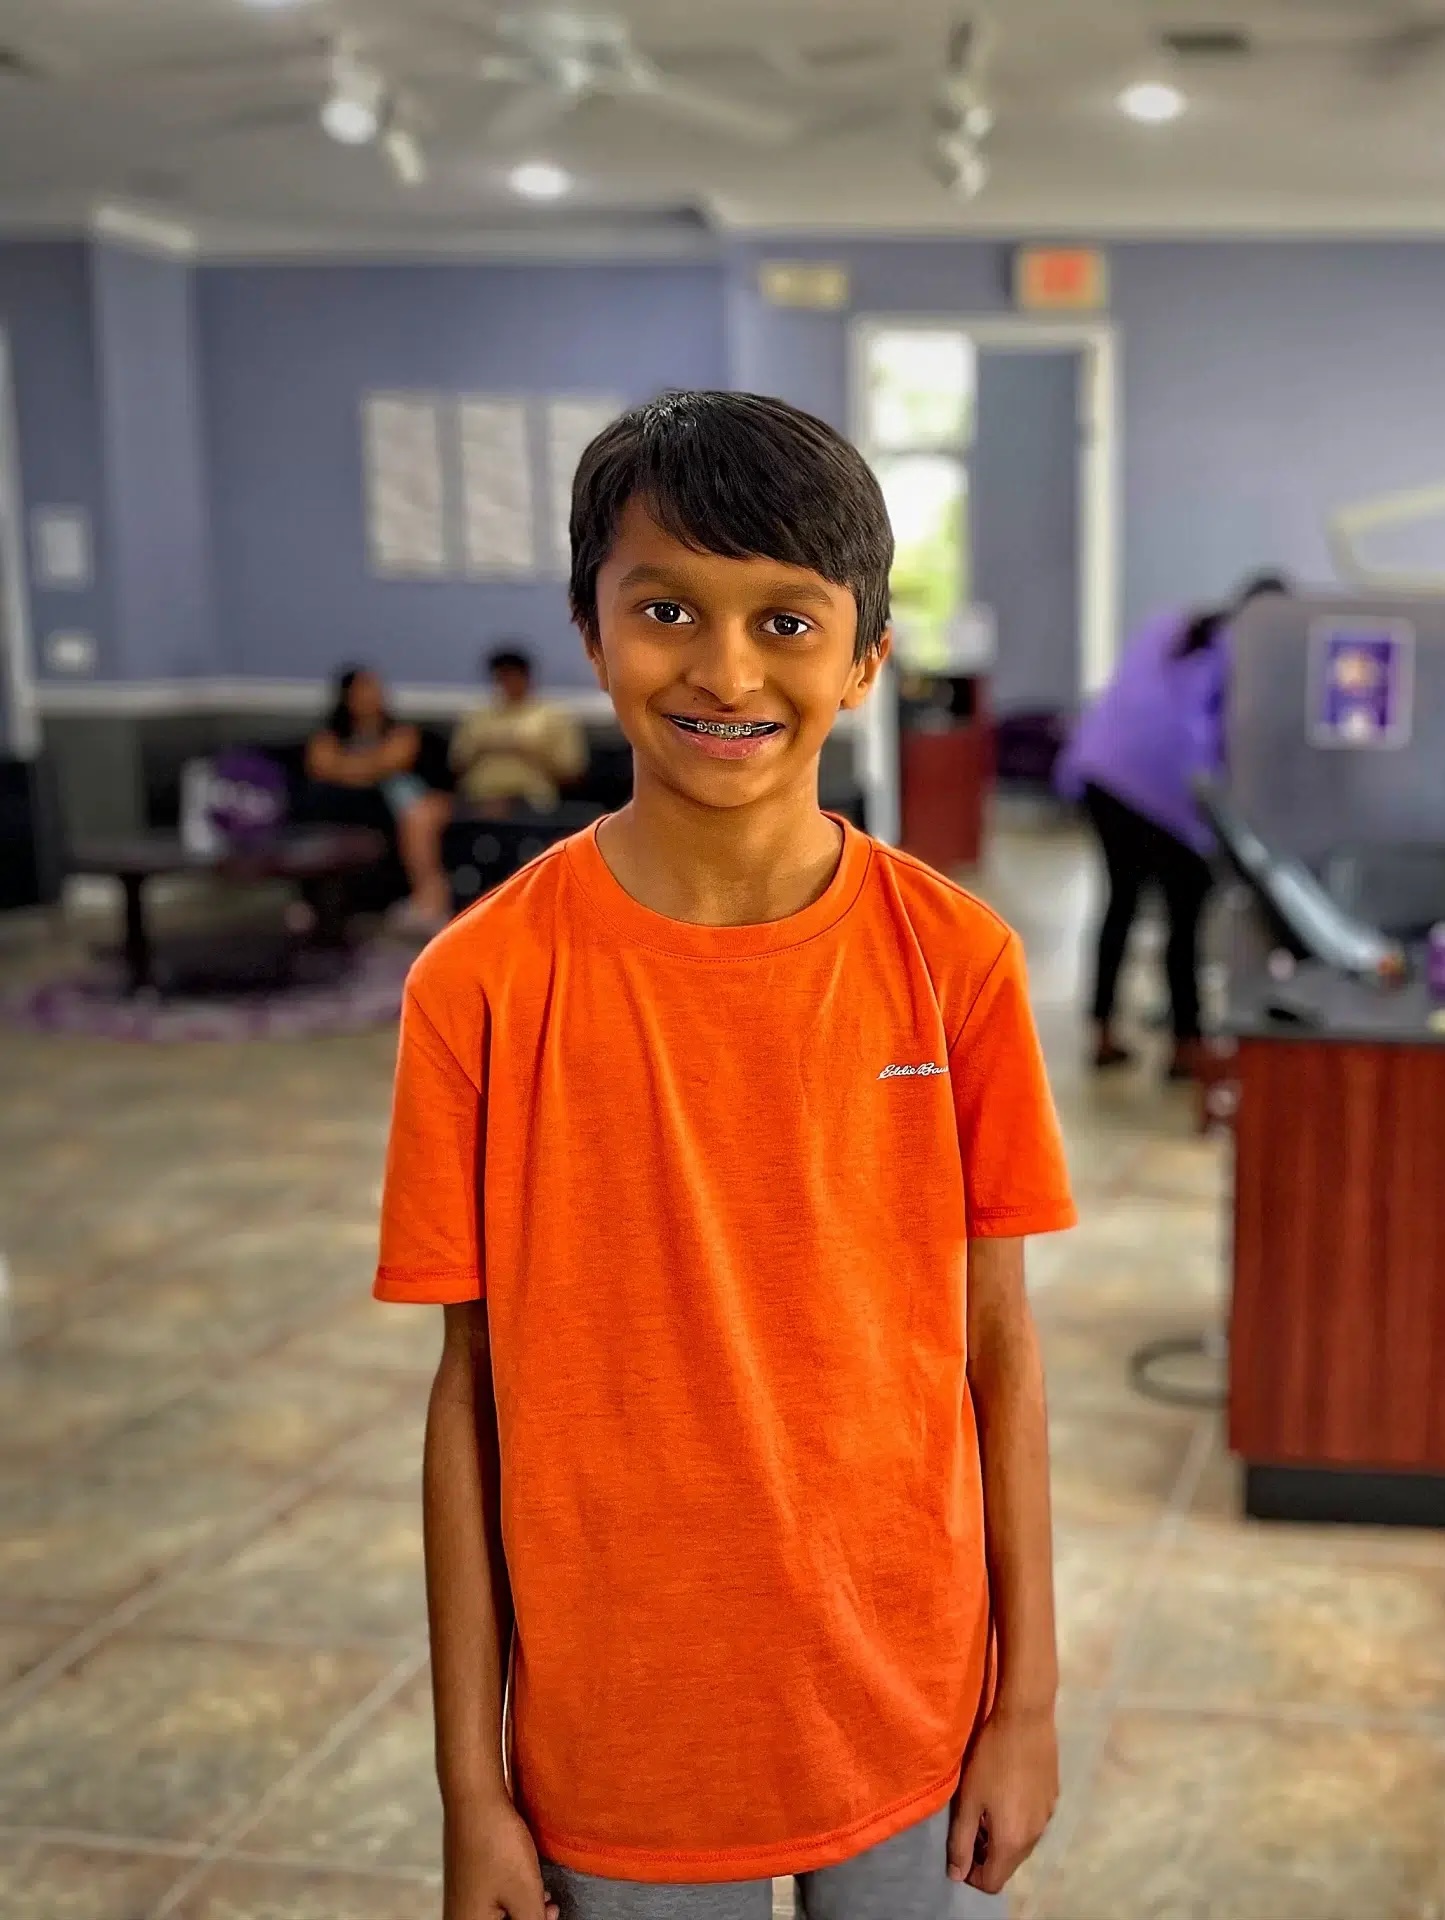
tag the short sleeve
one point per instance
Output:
(1015, 1175)
(430, 1227)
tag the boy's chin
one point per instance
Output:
(722, 789)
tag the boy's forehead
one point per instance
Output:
(645, 552)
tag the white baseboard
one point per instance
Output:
(309, 697)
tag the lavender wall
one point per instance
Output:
(288, 353)
(1264, 384)
(208, 421)
(154, 468)
(45, 309)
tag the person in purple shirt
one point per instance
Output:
(1133, 762)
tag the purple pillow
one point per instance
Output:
(248, 795)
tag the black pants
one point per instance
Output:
(1136, 852)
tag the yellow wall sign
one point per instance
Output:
(804, 283)
(1061, 279)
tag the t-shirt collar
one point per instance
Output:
(641, 926)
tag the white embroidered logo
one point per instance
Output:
(926, 1070)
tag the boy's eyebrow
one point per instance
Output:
(793, 588)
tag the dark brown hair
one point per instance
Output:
(742, 475)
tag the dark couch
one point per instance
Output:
(477, 853)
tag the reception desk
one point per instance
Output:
(1337, 1335)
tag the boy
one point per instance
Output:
(519, 748)
(717, 1130)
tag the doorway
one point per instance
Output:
(995, 441)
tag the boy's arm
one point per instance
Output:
(1011, 1780)
(489, 1858)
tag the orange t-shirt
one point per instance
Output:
(716, 1185)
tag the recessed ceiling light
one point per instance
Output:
(353, 122)
(356, 105)
(1153, 102)
(539, 180)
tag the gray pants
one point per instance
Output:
(906, 1878)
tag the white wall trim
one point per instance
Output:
(143, 232)
(257, 242)
(150, 697)
(20, 733)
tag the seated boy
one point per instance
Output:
(717, 1133)
(518, 749)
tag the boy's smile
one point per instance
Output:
(727, 674)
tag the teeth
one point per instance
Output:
(726, 729)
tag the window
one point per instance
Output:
(917, 428)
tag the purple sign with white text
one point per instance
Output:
(1362, 683)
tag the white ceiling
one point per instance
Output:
(204, 111)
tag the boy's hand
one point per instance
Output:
(491, 1870)
(1005, 1799)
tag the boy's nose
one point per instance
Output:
(726, 664)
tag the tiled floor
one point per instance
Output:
(212, 1672)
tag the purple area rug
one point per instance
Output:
(363, 992)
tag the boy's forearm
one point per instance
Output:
(468, 1596)
(1007, 1380)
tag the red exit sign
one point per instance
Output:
(1061, 279)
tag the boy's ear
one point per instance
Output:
(866, 671)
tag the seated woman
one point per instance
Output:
(362, 750)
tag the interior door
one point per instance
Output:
(1024, 506)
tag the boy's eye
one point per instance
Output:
(667, 613)
(787, 626)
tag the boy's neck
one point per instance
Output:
(715, 868)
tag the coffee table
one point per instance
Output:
(321, 856)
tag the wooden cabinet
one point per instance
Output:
(946, 773)
(1337, 1342)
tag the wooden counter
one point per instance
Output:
(1337, 1340)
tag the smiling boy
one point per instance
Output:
(717, 1133)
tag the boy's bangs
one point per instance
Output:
(743, 476)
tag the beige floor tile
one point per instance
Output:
(1097, 1575)
(1115, 1466)
(1193, 1171)
(168, 1740)
(340, 1566)
(1199, 1819)
(23, 1644)
(51, 1401)
(189, 1318)
(387, 1458)
(1087, 1353)
(40, 1882)
(272, 1893)
(1146, 1253)
(92, 1534)
(371, 1333)
(374, 1803)
(1251, 1623)
(269, 1418)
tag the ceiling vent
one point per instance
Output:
(1207, 43)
